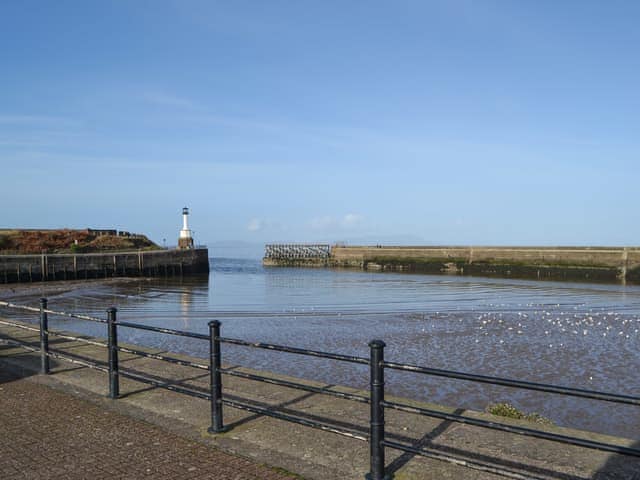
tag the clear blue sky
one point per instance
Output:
(459, 122)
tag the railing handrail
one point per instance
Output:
(506, 382)
(488, 379)
(299, 351)
(53, 312)
(503, 427)
(169, 331)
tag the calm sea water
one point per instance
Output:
(574, 334)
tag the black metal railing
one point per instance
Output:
(376, 399)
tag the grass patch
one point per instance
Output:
(509, 411)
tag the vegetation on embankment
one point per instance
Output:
(296, 262)
(71, 241)
(507, 410)
(513, 269)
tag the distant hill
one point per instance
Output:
(71, 241)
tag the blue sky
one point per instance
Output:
(458, 122)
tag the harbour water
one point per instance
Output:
(574, 334)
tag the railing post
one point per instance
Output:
(44, 338)
(114, 381)
(376, 432)
(215, 364)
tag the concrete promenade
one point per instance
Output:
(311, 453)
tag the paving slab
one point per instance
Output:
(50, 434)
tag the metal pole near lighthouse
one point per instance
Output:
(186, 239)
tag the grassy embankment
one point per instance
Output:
(68, 241)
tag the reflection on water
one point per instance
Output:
(580, 335)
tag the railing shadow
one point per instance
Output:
(256, 416)
(183, 382)
(179, 383)
(12, 373)
(466, 457)
(620, 467)
(426, 439)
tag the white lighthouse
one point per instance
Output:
(186, 239)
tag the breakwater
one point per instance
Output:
(554, 263)
(151, 263)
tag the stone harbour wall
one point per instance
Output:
(555, 263)
(150, 263)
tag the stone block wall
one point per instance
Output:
(49, 267)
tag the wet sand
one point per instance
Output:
(27, 291)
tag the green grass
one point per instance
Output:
(509, 411)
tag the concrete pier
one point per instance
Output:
(609, 264)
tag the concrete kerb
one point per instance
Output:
(310, 452)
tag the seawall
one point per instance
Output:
(151, 263)
(608, 264)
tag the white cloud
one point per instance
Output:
(255, 225)
(323, 223)
(261, 224)
(352, 219)
(328, 222)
